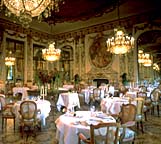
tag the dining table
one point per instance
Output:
(22, 90)
(112, 105)
(131, 94)
(68, 86)
(70, 124)
(88, 92)
(42, 105)
(68, 99)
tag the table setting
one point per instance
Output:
(71, 123)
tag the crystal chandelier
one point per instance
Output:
(144, 58)
(156, 67)
(25, 10)
(147, 61)
(141, 57)
(51, 54)
(120, 43)
(9, 61)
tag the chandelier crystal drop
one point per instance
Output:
(51, 54)
(10, 60)
(121, 43)
(25, 10)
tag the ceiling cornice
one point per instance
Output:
(126, 22)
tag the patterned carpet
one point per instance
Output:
(152, 129)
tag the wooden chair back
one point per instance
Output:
(155, 95)
(2, 102)
(97, 94)
(128, 113)
(105, 133)
(140, 105)
(28, 110)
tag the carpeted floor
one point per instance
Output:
(152, 129)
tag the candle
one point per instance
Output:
(45, 91)
(41, 91)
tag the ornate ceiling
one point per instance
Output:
(82, 10)
(75, 10)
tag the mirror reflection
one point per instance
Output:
(149, 56)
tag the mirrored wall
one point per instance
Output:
(149, 56)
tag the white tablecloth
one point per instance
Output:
(88, 92)
(68, 86)
(22, 90)
(131, 94)
(42, 105)
(113, 105)
(68, 99)
(69, 126)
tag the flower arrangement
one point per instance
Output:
(43, 78)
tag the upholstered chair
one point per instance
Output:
(29, 117)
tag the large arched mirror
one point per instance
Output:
(66, 61)
(15, 72)
(149, 56)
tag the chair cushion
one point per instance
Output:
(139, 117)
(7, 112)
(155, 103)
(145, 108)
(129, 134)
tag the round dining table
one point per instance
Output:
(70, 124)
(112, 105)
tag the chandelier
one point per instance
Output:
(51, 54)
(120, 43)
(156, 67)
(144, 58)
(141, 57)
(25, 10)
(9, 61)
(147, 60)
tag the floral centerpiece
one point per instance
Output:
(43, 78)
